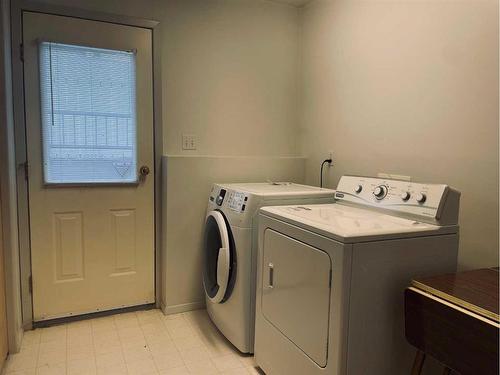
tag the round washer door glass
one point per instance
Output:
(217, 265)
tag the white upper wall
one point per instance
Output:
(408, 87)
(229, 72)
(230, 76)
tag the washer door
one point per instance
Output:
(218, 257)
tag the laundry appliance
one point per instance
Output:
(331, 278)
(230, 250)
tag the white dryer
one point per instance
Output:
(231, 249)
(331, 278)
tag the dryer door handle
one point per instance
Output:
(271, 276)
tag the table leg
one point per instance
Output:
(418, 363)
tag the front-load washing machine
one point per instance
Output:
(331, 278)
(231, 249)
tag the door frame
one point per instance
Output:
(22, 169)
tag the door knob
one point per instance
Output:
(144, 170)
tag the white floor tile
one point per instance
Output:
(113, 346)
(162, 348)
(168, 361)
(109, 360)
(80, 352)
(31, 338)
(181, 370)
(58, 369)
(128, 332)
(195, 355)
(138, 343)
(227, 362)
(119, 369)
(201, 367)
(51, 358)
(30, 371)
(254, 371)
(52, 346)
(85, 366)
(189, 342)
(142, 367)
(56, 333)
(247, 360)
(158, 337)
(236, 371)
(136, 354)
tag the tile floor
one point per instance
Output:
(137, 343)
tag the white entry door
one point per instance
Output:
(89, 134)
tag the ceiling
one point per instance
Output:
(297, 3)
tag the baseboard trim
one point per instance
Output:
(176, 309)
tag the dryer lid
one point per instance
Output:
(351, 224)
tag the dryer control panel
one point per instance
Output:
(434, 203)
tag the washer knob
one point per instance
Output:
(421, 197)
(358, 189)
(380, 192)
(405, 196)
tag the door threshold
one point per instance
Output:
(97, 314)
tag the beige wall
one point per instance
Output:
(408, 87)
(229, 72)
(230, 76)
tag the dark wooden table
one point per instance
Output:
(454, 319)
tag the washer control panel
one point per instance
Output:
(237, 201)
(234, 200)
(410, 198)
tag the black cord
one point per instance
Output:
(329, 161)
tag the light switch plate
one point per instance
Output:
(189, 142)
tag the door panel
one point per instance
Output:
(92, 240)
(3, 312)
(123, 233)
(296, 292)
(68, 238)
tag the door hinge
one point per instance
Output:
(21, 52)
(30, 284)
(26, 170)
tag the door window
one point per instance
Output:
(88, 114)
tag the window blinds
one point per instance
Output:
(88, 113)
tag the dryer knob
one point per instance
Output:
(380, 192)
(421, 197)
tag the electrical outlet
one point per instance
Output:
(189, 142)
